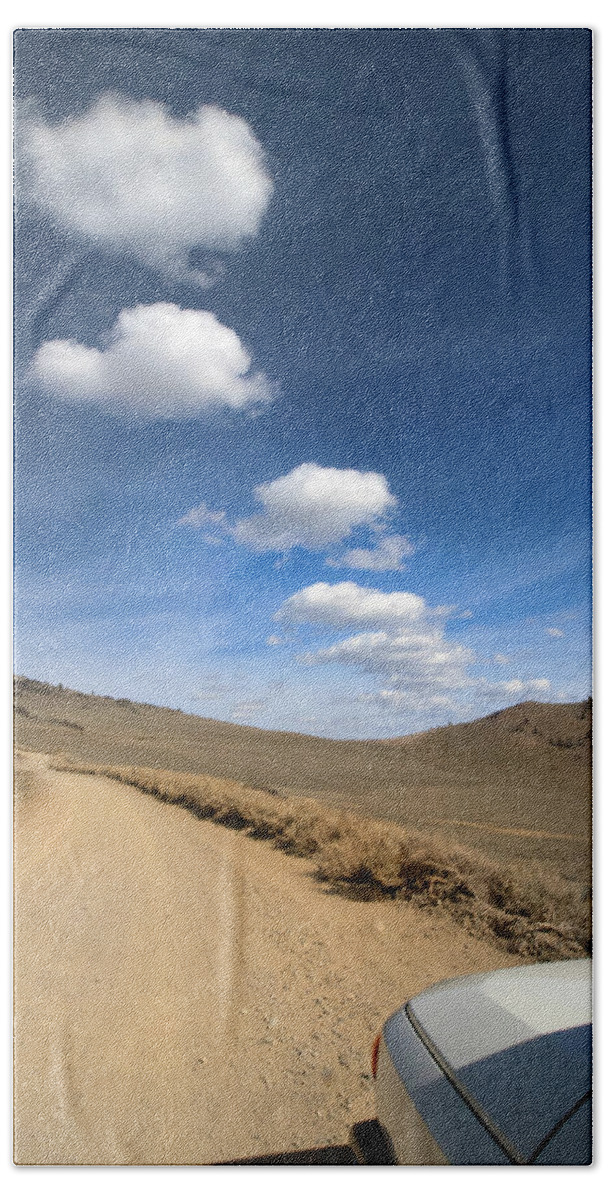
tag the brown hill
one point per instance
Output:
(515, 784)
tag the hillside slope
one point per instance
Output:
(515, 784)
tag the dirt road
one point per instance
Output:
(185, 994)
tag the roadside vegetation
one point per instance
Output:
(529, 912)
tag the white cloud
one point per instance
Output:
(246, 709)
(401, 641)
(418, 659)
(314, 507)
(387, 555)
(394, 698)
(502, 659)
(130, 177)
(554, 632)
(341, 604)
(202, 516)
(159, 361)
(513, 690)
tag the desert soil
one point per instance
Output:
(185, 994)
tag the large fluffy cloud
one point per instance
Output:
(317, 507)
(314, 507)
(401, 641)
(159, 361)
(130, 177)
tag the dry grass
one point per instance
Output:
(532, 913)
(526, 768)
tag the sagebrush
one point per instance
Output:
(534, 914)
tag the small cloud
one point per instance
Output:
(159, 362)
(200, 516)
(342, 604)
(215, 691)
(247, 709)
(464, 616)
(501, 658)
(394, 698)
(274, 640)
(387, 555)
(513, 689)
(553, 631)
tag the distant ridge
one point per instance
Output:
(525, 767)
(543, 718)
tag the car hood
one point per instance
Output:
(515, 1043)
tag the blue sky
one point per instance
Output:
(303, 371)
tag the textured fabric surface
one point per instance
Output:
(302, 430)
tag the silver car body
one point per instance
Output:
(491, 1069)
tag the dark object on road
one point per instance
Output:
(372, 1145)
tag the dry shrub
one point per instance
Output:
(527, 911)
